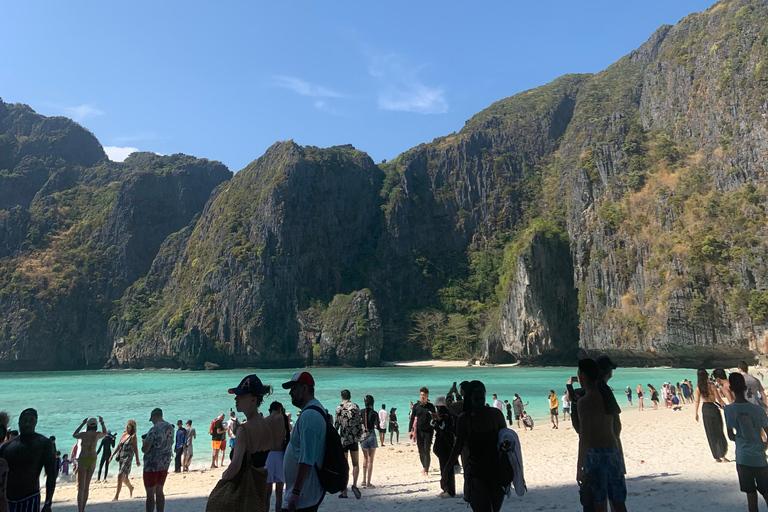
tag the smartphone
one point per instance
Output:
(575, 379)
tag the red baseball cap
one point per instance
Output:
(300, 378)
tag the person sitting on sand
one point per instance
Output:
(746, 423)
(87, 459)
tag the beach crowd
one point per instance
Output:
(301, 461)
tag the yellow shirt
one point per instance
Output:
(554, 403)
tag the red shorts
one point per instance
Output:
(153, 478)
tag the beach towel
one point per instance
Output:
(509, 439)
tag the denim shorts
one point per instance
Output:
(604, 476)
(370, 441)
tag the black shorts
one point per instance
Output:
(752, 479)
(354, 447)
(518, 416)
(553, 412)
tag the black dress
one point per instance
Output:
(713, 426)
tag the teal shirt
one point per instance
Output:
(747, 420)
(307, 446)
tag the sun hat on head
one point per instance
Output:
(300, 378)
(250, 385)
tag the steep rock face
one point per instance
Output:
(347, 333)
(89, 234)
(538, 320)
(664, 157)
(293, 229)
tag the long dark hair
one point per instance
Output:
(702, 382)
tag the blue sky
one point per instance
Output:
(225, 80)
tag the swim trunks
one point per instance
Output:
(28, 504)
(219, 445)
(553, 412)
(153, 478)
(604, 476)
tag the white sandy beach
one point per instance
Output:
(668, 462)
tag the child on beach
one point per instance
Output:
(745, 423)
(65, 463)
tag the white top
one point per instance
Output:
(383, 419)
(565, 401)
(498, 404)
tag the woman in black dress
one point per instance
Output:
(710, 413)
(478, 428)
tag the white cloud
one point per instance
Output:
(402, 91)
(118, 154)
(81, 112)
(304, 88)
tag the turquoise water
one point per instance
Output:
(64, 399)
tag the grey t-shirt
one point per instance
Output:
(517, 405)
(753, 386)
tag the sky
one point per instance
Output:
(226, 80)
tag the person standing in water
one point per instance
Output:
(127, 448)
(713, 421)
(87, 459)
(26, 455)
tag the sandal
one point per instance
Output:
(356, 492)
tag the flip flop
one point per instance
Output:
(356, 492)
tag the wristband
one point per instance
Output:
(297, 492)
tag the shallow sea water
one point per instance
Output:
(64, 399)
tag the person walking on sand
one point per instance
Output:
(755, 392)
(368, 444)
(393, 428)
(713, 421)
(383, 421)
(303, 491)
(553, 405)
(746, 423)
(105, 447)
(498, 403)
(518, 405)
(723, 385)
(157, 446)
(86, 461)
(258, 436)
(600, 467)
(26, 456)
(188, 448)
(444, 423)
(349, 423)
(275, 473)
(218, 440)
(478, 429)
(178, 448)
(422, 430)
(127, 448)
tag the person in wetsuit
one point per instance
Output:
(105, 447)
(258, 435)
(478, 429)
(27, 454)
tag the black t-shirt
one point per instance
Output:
(216, 427)
(423, 415)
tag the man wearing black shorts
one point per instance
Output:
(350, 426)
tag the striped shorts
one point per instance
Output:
(29, 504)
